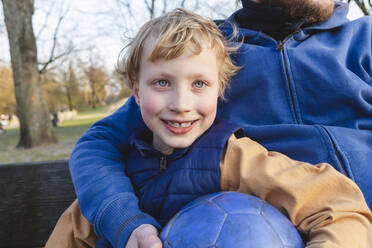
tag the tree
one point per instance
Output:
(35, 124)
(97, 79)
(7, 103)
(71, 86)
(122, 87)
(53, 90)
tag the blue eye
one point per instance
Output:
(199, 84)
(162, 83)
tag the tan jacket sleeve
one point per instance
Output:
(72, 230)
(327, 207)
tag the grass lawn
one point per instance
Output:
(67, 134)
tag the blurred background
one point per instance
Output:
(65, 77)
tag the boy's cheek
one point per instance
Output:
(150, 106)
(208, 107)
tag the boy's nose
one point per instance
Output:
(181, 101)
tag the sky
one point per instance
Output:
(98, 28)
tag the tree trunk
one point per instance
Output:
(69, 100)
(35, 123)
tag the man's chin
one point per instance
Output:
(310, 11)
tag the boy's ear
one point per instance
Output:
(135, 92)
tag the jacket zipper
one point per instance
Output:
(163, 163)
(280, 47)
(338, 155)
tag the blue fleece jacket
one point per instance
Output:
(308, 96)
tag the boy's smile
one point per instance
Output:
(179, 127)
(177, 97)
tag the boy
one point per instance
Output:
(178, 65)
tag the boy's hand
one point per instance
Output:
(144, 236)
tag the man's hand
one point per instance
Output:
(144, 236)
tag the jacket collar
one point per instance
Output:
(141, 141)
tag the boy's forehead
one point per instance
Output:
(151, 43)
(148, 47)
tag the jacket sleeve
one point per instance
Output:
(325, 206)
(105, 194)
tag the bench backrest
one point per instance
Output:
(32, 198)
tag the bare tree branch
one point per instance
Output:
(164, 7)
(183, 3)
(52, 58)
(237, 3)
(362, 6)
(124, 9)
(151, 8)
(119, 3)
(45, 23)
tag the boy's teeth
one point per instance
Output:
(179, 125)
(185, 124)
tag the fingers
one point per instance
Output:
(148, 237)
(144, 236)
(151, 241)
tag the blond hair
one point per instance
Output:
(175, 32)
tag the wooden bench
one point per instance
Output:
(32, 197)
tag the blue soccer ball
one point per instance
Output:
(230, 219)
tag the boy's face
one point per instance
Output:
(177, 97)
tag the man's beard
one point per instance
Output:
(310, 11)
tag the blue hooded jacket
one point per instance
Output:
(309, 97)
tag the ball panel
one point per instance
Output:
(234, 203)
(248, 231)
(165, 232)
(282, 226)
(205, 220)
(200, 200)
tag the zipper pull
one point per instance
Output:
(279, 46)
(163, 163)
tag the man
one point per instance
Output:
(307, 74)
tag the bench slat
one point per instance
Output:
(32, 198)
